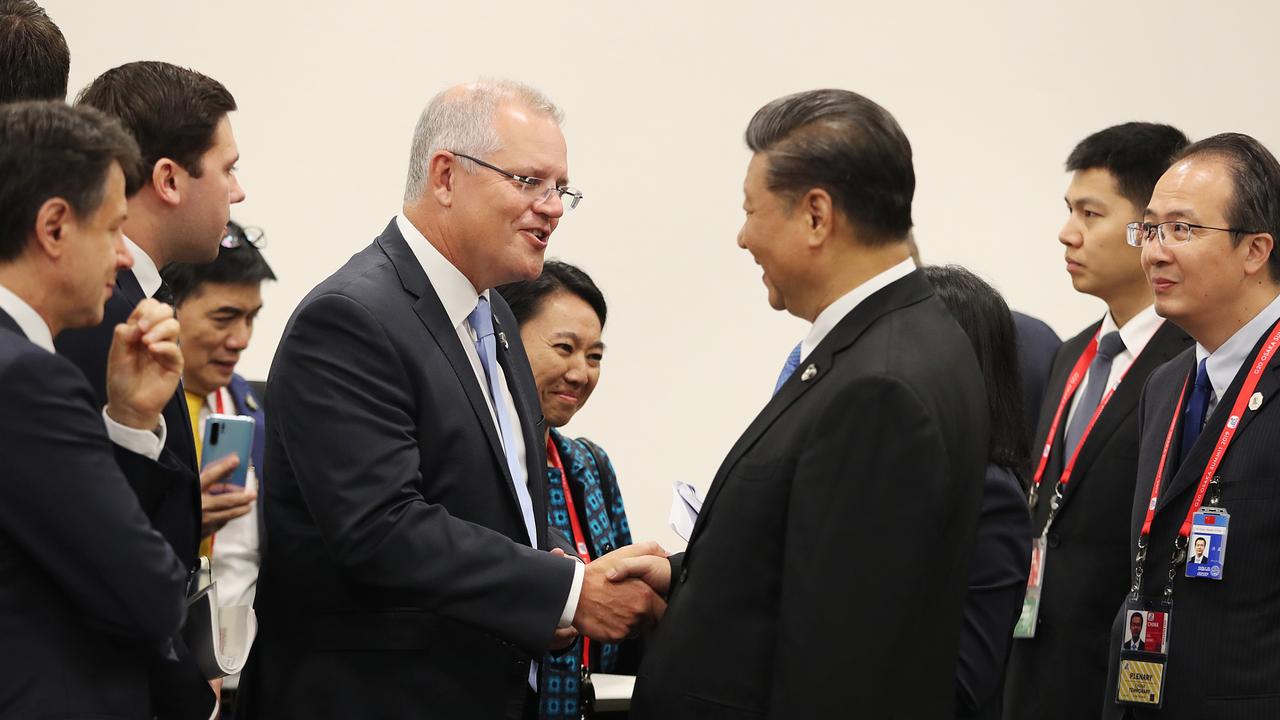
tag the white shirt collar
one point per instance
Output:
(1137, 332)
(836, 311)
(456, 292)
(1225, 362)
(29, 321)
(144, 269)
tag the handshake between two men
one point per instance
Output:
(623, 594)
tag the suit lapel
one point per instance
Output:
(1193, 467)
(431, 313)
(1165, 344)
(903, 292)
(9, 323)
(129, 287)
(535, 461)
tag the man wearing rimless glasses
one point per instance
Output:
(1210, 425)
(407, 572)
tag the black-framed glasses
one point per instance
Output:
(1171, 233)
(234, 238)
(532, 186)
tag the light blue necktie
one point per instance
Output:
(481, 320)
(789, 369)
(1109, 346)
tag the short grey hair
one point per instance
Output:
(462, 122)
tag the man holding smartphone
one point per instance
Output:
(217, 304)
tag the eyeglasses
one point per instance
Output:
(245, 236)
(1170, 233)
(532, 186)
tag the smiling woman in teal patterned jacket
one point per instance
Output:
(561, 316)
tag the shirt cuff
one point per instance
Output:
(147, 443)
(575, 590)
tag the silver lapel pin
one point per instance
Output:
(809, 373)
(502, 338)
(1255, 401)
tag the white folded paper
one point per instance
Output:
(685, 506)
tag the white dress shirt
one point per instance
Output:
(144, 268)
(143, 442)
(836, 311)
(459, 298)
(1135, 335)
(1225, 362)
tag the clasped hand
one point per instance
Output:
(623, 592)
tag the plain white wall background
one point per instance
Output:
(993, 96)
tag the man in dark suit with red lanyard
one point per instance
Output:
(1210, 426)
(1057, 666)
(406, 573)
(876, 437)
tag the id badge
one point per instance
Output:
(1144, 655)
(1030, 617)
(1207, 549)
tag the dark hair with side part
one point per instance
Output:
(1135, 153)
(34, 60)
(171, 111)
(1255, 194)
(526, 297)
(843, 143)
(49, 149)
(240, 265)
(984, 316)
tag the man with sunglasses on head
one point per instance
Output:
(407, 573)
(1082, 475)
(217, 305)
(1210, 426)
(181, 122)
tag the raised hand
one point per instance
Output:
(221, 502)
(144, 365)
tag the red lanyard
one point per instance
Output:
(1073, 383)
(579, 538)
(217, 401)
(1224, 440)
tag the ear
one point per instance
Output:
(441, 172)
(168, 181)
(55, 221)
(1258, 250)
(818, 214)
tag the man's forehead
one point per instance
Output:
(1192, 187)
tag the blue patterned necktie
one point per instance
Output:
(1197, 408)
(481, 320)
(1099, 375)
(789, 369)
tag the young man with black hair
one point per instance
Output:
(1086, 443)
(90, 590)
(180, 119)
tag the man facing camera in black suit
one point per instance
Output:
(1210, 425)
(407, 573)
(876, 436)
(1057, 666)
(89, 589)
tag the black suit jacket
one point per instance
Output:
(167, 489)
(1224, 641)
(881, 453)
(88, 590)
(1037, 347)
(1061, 672)
(399, 580)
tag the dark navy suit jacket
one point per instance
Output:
(89, 592)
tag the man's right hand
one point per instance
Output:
(220, 502)
(613, 610)
(143, 366)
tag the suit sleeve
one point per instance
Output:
(64, 501)
(870, 542)
(997, 583)
(340, 404)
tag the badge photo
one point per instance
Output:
(1207, 548)
(1144, 655)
